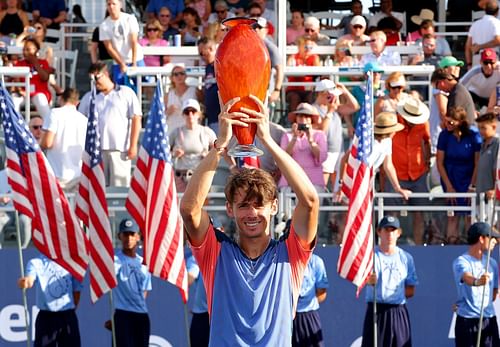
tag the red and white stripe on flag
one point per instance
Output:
(153, 203)
(37, 194)
(92, 209)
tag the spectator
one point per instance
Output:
(46, 51)
(97, 50)
(50, 12)
(451, 65)
(221, 12)
(304, 57)
(395, 277)
(174, 6)
(457, 156)
(119, 124)
(64, 139)
(132, 326)
(437, 119)
(476, 280)
(425, 14)
(379, 53)
(458, 95)
(395, 83)
(202, 7)
(13, 20)
(387, 12)
(311, 28)
(237, 7)
(177, 95)
(206, 48)
(153, 38)
(331, 110)
(411, 148)
(483, 33)
(255, 11)
(482, 80)
(428, 56)
(190, 143)
(307, 323)
(164, 16)
(296, 27)
(442, 45)
(192, 29)
(57, 296)
(267, 12)
(199, 330)
(256, 267)
(40, 72)
(343, 56)
(306, 145)
(356, 35)
(119, 32)
(487, 163)
(346, 21)
(36, 125)
(78, 16)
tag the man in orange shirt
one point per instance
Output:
(411, 153)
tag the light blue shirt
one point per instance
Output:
(469, 297)
(314, 278)
(385, 58)
(199, 299)
(54, 284)
(394, 272)
(133, 280)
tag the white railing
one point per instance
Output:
(24, 72)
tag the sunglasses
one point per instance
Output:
(151, 29)
(255, 14)
(397, 87)
(357, 26)
(221, 11)
(309, 30)
(187, 173)
(97, 76)
(179, 73)
(308, 47)
(36, 127)
(164, 15)
(189, 111)
(489, 62)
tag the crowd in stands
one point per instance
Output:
(440, 140)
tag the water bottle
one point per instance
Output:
(292, 61)
(328, 61)
(12, 39)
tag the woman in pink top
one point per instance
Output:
(153, 38)
(306, 145)
(296, 28)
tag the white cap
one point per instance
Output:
(358, 20)
(327, 85)
(191, 103)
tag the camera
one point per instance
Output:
(303, 127)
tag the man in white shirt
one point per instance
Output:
(64, 139)
(119, 33)
(379, 54)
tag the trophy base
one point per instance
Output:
(241, 151)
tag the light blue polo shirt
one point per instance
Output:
(133, 280)
(314, 278)
(199, 299)
(54, 284)
(469, 297)
(394, 272)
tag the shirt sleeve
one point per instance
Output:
(192, 267)
(77, 285)
(50, 123)
(459, 268)
(147, 282)
(321, 279)
(134, 25)
(134, 107)
(32, 268)
(104, 33)
(411, 278)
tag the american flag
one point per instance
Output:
(37, 194)
(152, 201)
(356, 255)
(92, 209)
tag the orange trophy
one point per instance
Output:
(242, 68)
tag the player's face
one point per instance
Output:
(389, 236)
(252, 219)
(129, 240)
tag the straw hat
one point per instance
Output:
(386, 123)
(414, 111)
(304, 109)
(425, 14)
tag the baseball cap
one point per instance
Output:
(389, 222)
(261, 22)
(488, 54)
(480, 229)
(327, 85)
(372, 66)
(358, 20)
(450, 61)
(191, 103)
(128, 225)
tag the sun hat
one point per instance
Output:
(450, 61)
(414, 111)
(327, 85)
(386, 123)
(425, 14)
(305, 109)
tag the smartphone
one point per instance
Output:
(303, 127)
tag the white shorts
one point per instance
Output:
(330, 164)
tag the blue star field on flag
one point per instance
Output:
(93, 139)
(364, 126)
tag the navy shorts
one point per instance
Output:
(466, 332)
(307, 330)
(417, 186)
(57, 329)
(393, 326)
(199, 331)
(132, 329)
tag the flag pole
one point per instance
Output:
(370, 77)
(21, 266)
(488, 257)
(186, 323)
(113, 330)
